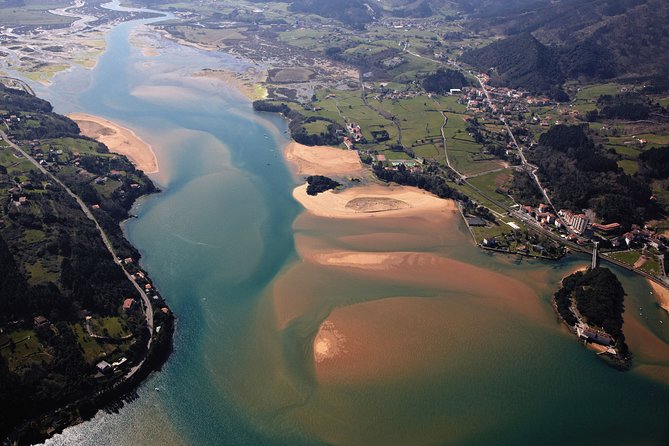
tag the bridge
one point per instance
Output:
(18, 84)
(595, 255)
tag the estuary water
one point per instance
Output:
(475, 356)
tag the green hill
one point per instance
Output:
(593, 40)
(520, 62)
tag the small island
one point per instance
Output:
(591, 303)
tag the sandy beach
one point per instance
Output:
(661, 294)
(118, 139)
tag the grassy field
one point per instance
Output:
(630, 167)
(26, 351)
(113, 327)
(593, 92)
(211, 37)
(418, 117)
(36, 14)
(38, 272)
(652, 265)
(490, 182)
(464, 153)
(15, 166)
(629, 257)
(480, 199)
(316, 127)
(93, 350)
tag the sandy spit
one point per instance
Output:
(118, 139)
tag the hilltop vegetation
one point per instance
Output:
(520, 62)
(355, 13)
(591, 41)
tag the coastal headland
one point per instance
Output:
(118, 139)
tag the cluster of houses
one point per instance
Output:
(8, 119)
(384, 93)
(642, 236)
(420, 24)
(579, 223)
(543, 215)
(507, 100)
(355, 131)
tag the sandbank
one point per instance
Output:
(323, 160)
(366, 340)
(661, 294)
(372, 201)
(247, 83)
(118, 139)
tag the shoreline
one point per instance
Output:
(119, 140)
(79, 407)
(661, 294)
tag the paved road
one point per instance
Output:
(531, 167)
(146, 307)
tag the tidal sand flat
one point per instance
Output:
(118, 139)
(356, 324)
(323, 160)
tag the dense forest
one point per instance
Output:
(581, 175)
(428, 180)
(599, 298)
(353, 13)
(319, 183)
(525, 189)
(627, 106)
(655, 163)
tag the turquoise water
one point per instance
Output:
(220, 237)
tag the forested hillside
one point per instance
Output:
(61, 292)
(581, 175)
(520, 62)
(591, 40)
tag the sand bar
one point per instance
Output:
(372, 201)
(118, 139)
